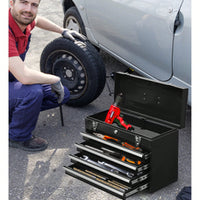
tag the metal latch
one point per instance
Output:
(137, 140)
(94, 125)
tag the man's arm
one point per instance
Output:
(28, 76)
(46, 24)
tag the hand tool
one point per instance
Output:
(83, 172)
(91, 161)
(124, 144)
(113, 115)
(116, 169)
(107, 179)
(115, 154)
(106, 137)
(120, 156)
(109, 167)
(97, 175)
(61, 115)
(98, 179)
(119, 184)
(99, 164)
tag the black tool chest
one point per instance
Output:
(124, 162)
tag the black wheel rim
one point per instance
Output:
(71, 71)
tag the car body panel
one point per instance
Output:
(140, 31)
(182, 45)
(141, 34)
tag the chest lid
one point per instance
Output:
(151, 99)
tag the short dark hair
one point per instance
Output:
(14, 1)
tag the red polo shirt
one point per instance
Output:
(16, 35)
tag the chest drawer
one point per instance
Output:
(109, 166)
(125, 161)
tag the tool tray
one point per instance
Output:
(113, 182)
(156, 111)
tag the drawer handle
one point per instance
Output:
(142, 178)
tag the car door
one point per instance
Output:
(138, 32)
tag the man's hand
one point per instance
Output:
(58, 89)
(71, 34)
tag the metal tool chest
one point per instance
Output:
(156, 111)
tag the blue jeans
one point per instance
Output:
(25, 104)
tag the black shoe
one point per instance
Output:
(34, 144)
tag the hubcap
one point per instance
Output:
(72, 24)
(71, 72)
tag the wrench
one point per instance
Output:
(109, 167)
(117, 169)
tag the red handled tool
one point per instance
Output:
(113, 115)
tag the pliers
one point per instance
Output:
(124, 144)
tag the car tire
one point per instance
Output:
(79, 66)
(72, 20)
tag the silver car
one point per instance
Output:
(151, 36)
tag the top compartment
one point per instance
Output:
(153, 100)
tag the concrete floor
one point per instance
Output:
(40, 176)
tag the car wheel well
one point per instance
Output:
(67, 4)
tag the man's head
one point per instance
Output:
(24, 11)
